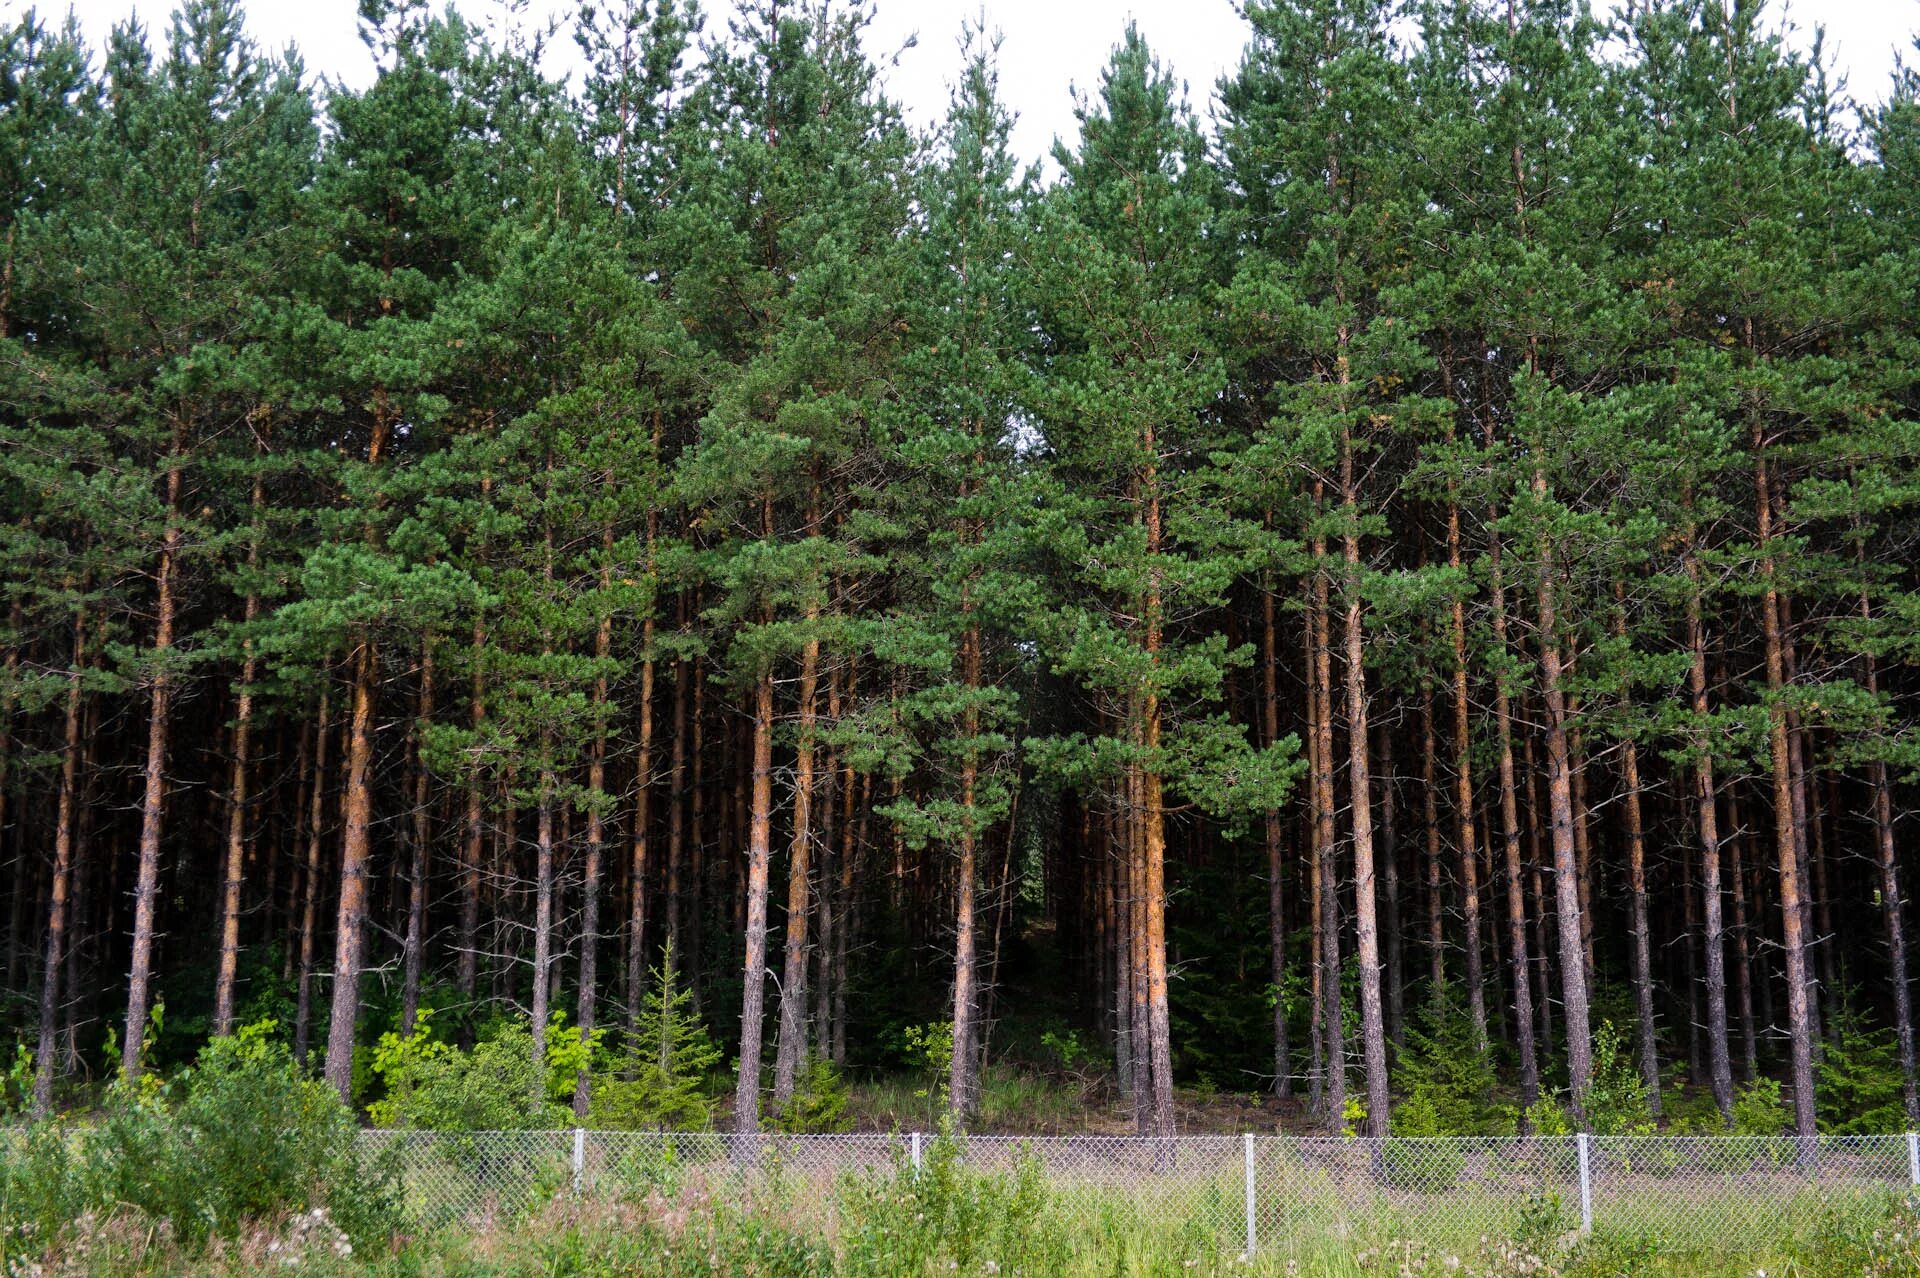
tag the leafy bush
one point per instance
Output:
(1616, 1094)
(819, 1101)
(240, 1136)
(660, 1081)
(944, 1217)
(1757, 1110)
(435, 1086)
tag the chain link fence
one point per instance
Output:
(1264, 1194)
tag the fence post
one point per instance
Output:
(1252, 1237)
(1913, 1158)
(1582, 1141)
(914, 1145)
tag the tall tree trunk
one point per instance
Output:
(1707, 804)
(228, 973)
(543, 893)
(1276, 894)
(1332, 1030)
(1799, 1026)
(961, 1069)
(310, 884)
(356, 817)
(1647, 1051)
(586, 1007)
(790, 1054)
(467, 970)
(154, 796)
(1436, 904)
(746, 1103)
(415, 945)
(1360, 785)
(1566, 870)
(1510, 842)
(356, 807)
(1743, 959)
(59, 889)
(1892, 904)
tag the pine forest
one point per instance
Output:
(1381, 594)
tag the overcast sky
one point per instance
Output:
(1049, 44)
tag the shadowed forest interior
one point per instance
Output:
(1378, 595)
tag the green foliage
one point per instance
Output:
(945, 1217)
(240, 1136)
(1446, 1083)
(1858, 1084)
(434, 1086)
(16, 1085)
(1616, 1100)
(661, 1078)
(1758, 1111)
(819, 1101)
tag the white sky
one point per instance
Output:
(1049, 44)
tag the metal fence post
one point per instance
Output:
(579, 1157)
(1252, 1237)
(1913, 1158)
(1582, 1141)
(915, 1147)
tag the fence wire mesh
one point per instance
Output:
(1273, 1194)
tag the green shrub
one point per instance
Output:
(241, 1136)
(946, 1218)
(1757, 1110)
(1616, 1099)
(660, 1080)
(1446, 1080)
(434, 1086)
(1857, 1090)
(819, 1101)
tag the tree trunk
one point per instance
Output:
(1891, 903)
(228, 974)
(963, 1083)
(746, 1102)
(586, 1007)
(416, 940)
(543, 886)
(1647, 1043)
(1436, 904)
(467, 971)
(355, 842)
(153, 799)
(1707, 804)
(1360, 785)
(63, 858)
(310, 885)
(1510, 842)
(1332, 1030)
(1799, 1027)
(1276, 897)
(790, 1055)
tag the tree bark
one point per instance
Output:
(310, 885)
(227, 976)
(60, 887)
(415, 944)
(1707, 804)
(355, 845)
(1510, 841)
(153, 799)
(1276, 894)
(1360, 785)
(790, 1054)
(746, 1103)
